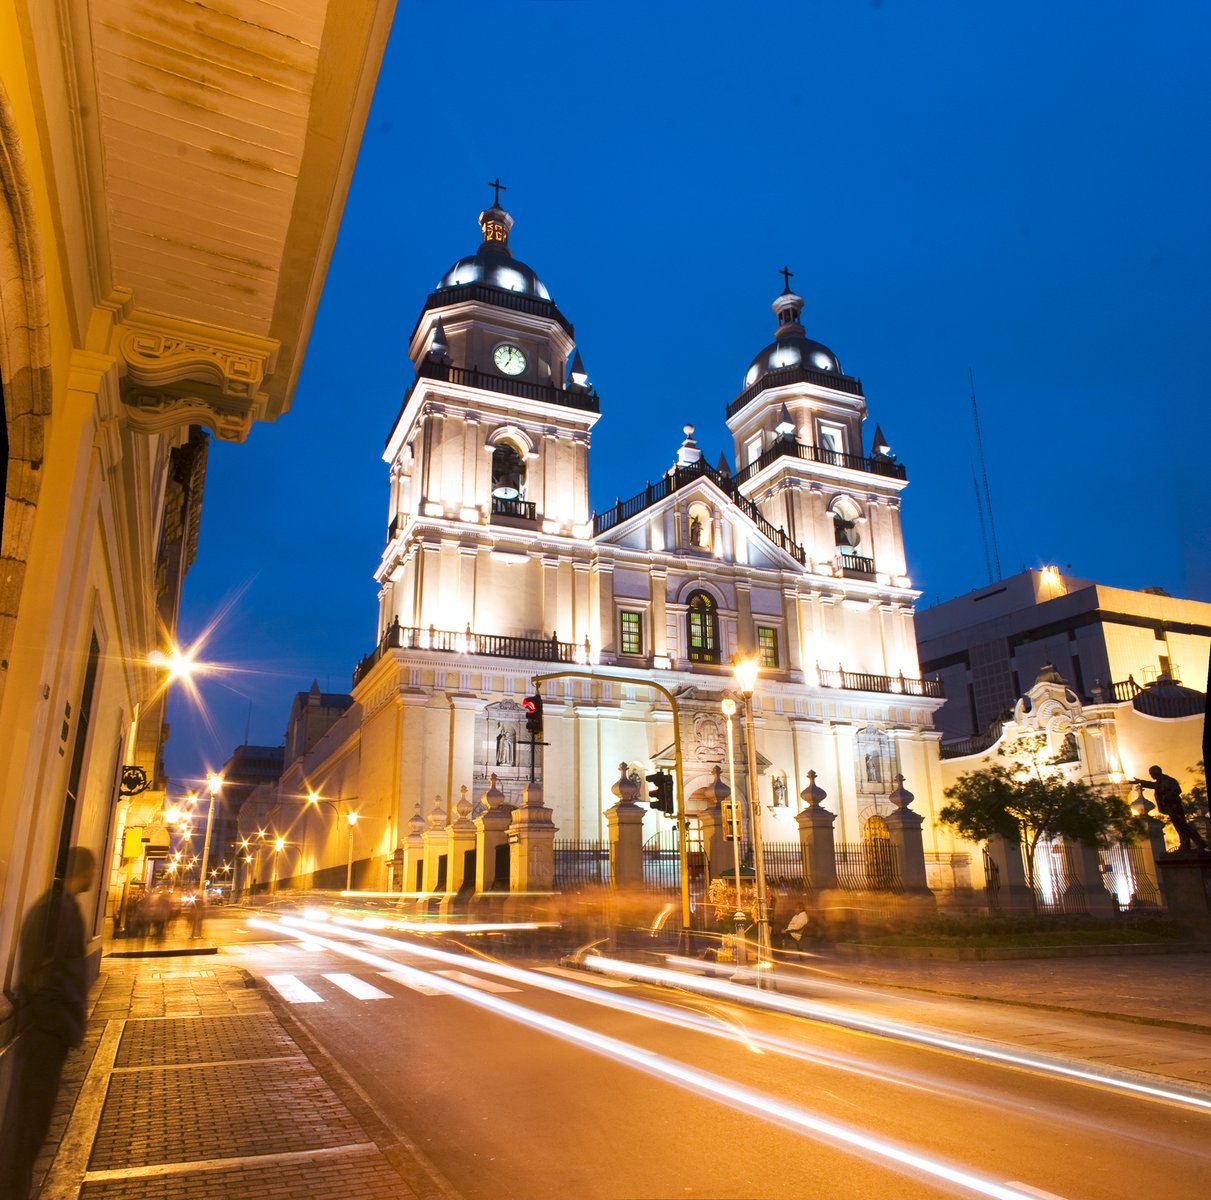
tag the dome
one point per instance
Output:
(792, 352)
(1167, 698)
(493, 263)
(489, 265)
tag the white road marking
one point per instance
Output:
(484, 985)
(585, 977)
(357, 988)
(1033, 1191)
(423, 988)
(293, 990)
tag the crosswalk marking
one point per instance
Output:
(293, 990)
(408, 982)
(586, 977)
(484, 985)
(357, 988)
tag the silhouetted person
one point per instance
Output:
(51, 993)
(1169, 801)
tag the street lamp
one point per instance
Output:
(352, 818)
(729, 711)
(278, 846)
(214, 782)
(746, 671)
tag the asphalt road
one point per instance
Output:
(519, 1081)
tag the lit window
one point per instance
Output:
(631, 633)
(767, 645)
(832, 441)
(752, 450)
(702, 628)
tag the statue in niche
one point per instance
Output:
(779, 791)
(696, 531)
(506, 747)
(874, 768)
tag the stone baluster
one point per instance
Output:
(625, 821)
(816, 837)
(532, 844)
(904, 825)
(491, 832)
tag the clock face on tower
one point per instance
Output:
(509, 359)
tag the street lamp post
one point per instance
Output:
(352, 819)
(729, 711)
(746, 670)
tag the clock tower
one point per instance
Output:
(489, 455)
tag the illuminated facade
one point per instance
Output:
(497, 569)
(160, 267)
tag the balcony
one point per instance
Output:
(485, 293)
(861, 681)
(788, 447)
(521, 511)
(788, 375)
(522, 389)
(448, 641)
(856, 566)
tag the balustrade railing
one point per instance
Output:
(788, 447)
(524, 510)
(862, 681)
(502, 298)
(856, 564)
(523, 389)
(976, 744)
(781, 376)
(448, 641)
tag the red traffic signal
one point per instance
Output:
(533, 707)
(660, 796)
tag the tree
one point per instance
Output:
(1029, 802)
(1194, 800)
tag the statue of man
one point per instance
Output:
(1169, 801)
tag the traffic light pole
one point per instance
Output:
(682, 825)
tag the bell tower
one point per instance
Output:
(489, 454)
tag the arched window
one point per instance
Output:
(845, 525)
(508, 472)
(702, 628)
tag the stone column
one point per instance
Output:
(816, 838)
(434, 839)
(1186, 878)
(625, 820)
(532, 844)
(1151, 847)
(718, 848)
(905, 828)
(460, 838)
(491, 831)
(1011, 889)
(1087, 867)
(414, 850)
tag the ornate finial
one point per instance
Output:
(416, 821)
(493, 797)
(787, 275)
(811, 795)
(1141, 805)
(716, 791)
(437, 814)
(463, 807)
(500, 187)
(901, 797)
(626, 789)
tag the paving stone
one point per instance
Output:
(212, 1039)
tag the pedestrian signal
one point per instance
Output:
(660, 795)
(533, 707)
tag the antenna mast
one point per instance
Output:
(980, 511)
(992, 527)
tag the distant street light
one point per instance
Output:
(352, 818)
(214, 782)
(746, 671)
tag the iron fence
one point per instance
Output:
(662, 862)
(784, 866)
(870, 866)
(583, 863)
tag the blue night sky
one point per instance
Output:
(1018, 188)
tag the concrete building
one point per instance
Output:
(988, 646)
(496, 569)
(170, 190)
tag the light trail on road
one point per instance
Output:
(759, 1104)
(831, 1014)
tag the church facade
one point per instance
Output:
(795, 556)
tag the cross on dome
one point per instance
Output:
(500, 187)
(787, 275)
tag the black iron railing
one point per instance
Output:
(870, 866)
(856, 564)
(682, 476)
(785, 375)
(788, 447)
(581, 863)
(976, 744)
(447, 641)
(784, 866)
(524, 510)
(502, 298)
(522, 389)
(862, 681)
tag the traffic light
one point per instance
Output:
(661, 794)
(731, 824)
(533, 706)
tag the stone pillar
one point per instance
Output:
(1011, 891)
(718, 848)
(1186, 879)
(434, 840)
(625, 820)
(414, 850)
(816, 838)
(532, 844)
(491, 831)
(1151, 849)
(1087, 867)
(905, 828)
(460, 838)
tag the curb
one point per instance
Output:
(175, 953)
(860, 950)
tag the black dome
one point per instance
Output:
(497, 268)
(794, 351)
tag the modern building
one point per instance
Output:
(496, 570)
(170, 190)
(1108, 643)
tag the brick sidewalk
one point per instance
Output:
(188, 1084)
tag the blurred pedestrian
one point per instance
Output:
(52, 990)
(796, 927)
